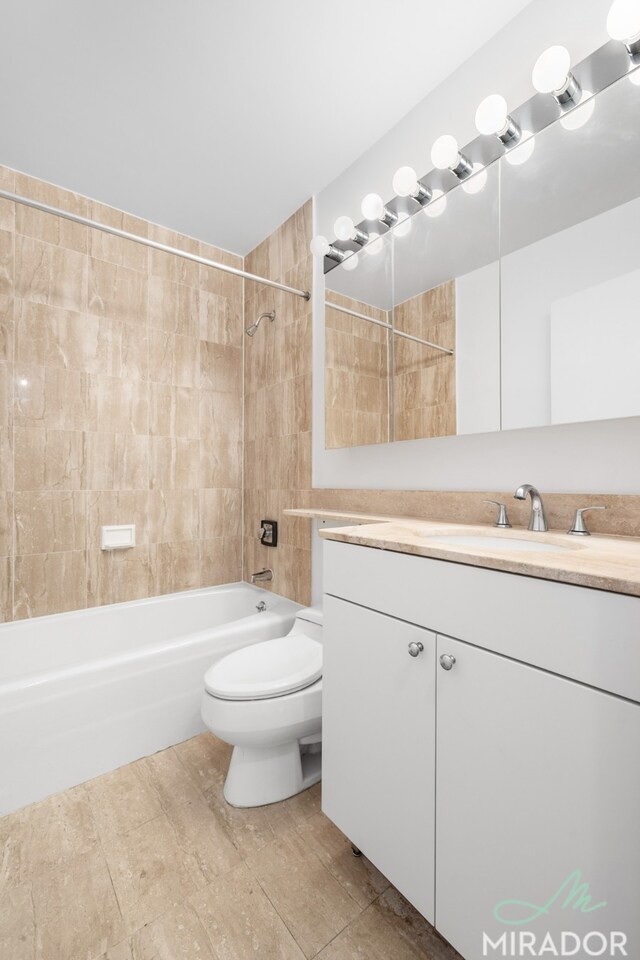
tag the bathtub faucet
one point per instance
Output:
(261, 575)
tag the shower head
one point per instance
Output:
(270, 315)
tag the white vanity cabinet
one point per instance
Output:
(535, 769)
(378, 750)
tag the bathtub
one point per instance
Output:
(83, 693)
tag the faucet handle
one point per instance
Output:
(578, 527)
(502, 519)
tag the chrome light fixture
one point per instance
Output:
(623, 24)
(445, 155)
(320, 247)
(345, 229)
(406, 184)
(552, 74)
(492, 119)
(373, 208)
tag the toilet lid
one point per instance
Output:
(268, 669)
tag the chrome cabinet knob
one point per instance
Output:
(415, 649)
(447, 661)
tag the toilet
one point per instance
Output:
(266, 700)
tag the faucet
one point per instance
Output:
(262, 575)
(538, 519)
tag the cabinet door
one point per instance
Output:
(378, 743)
(538, 792)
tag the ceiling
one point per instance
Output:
(215, 118)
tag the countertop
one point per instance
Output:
(603, 563)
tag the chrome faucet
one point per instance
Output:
(538, 518)
(262, 575)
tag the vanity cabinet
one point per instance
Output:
(521, 768)
(378, 751)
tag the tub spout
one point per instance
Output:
(261, 575)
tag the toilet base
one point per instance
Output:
(261, 775)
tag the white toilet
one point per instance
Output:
(266, 700)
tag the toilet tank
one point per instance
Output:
(309, 622)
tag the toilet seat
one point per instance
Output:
(272, 668)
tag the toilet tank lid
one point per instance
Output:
(311, 615)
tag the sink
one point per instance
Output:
(496, 543)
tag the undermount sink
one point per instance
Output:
(496, 543)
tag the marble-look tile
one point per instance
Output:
(314, 906)
(7, 544)
(115, 576)
(76, 911)
(48, 834)
(149, 872)
(174, 463)
(121, 405)
(17, 922)
(6, 589)
(220, 561)
(221, 367)
(117, 292)
(115, 461)
(104, 246)
(175, 566)
(356, 874)
(122, 951)
(174, 411)
(241, 922)
(7, 260)
(205, 843)
(205, 759)
(49, 521)
(48, 459)
(170, 266)
(122, 800)
(49, 274)
(7, 209)
(220, 513)
(49, 583)
(42, 226)
(220, 464)
(105, 507)
(220, 319)
(412, 927)
(174, 307)
(220, 418)
(6, 329)
(51, 397)
(169, 778)
(174, 359)
(173, 515)
(370, 937)
(218, 281)
(177, 935)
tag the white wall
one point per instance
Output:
(589, 457)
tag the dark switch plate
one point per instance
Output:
(269, 533)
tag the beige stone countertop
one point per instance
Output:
(604, 563)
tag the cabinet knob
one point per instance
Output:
(447, 661)
(415, 649)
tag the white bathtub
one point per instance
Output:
(83, 693)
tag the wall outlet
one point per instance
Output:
(118, 537)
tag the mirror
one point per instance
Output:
(357, 385)
(570, 265)
(516, 306)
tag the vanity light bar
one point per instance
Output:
(552, 77)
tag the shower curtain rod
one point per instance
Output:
(388, 326)
(125, 235)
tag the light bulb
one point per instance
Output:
(405, 182)
(372, 206)
(492, 115)
(623, 21)
(375, 245)
(350, 263)
(403, 227)
(477, 181)
(522, 151)
(344, 228)
(319, 246)
(551, 70)
(445, 153)
(581, 114)
(437, 205)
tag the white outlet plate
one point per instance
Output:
(118, 537)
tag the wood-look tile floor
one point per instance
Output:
(149, 863)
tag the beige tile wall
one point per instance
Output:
(277, 457)
(356, 386)
(425, 379)
(120, 401)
